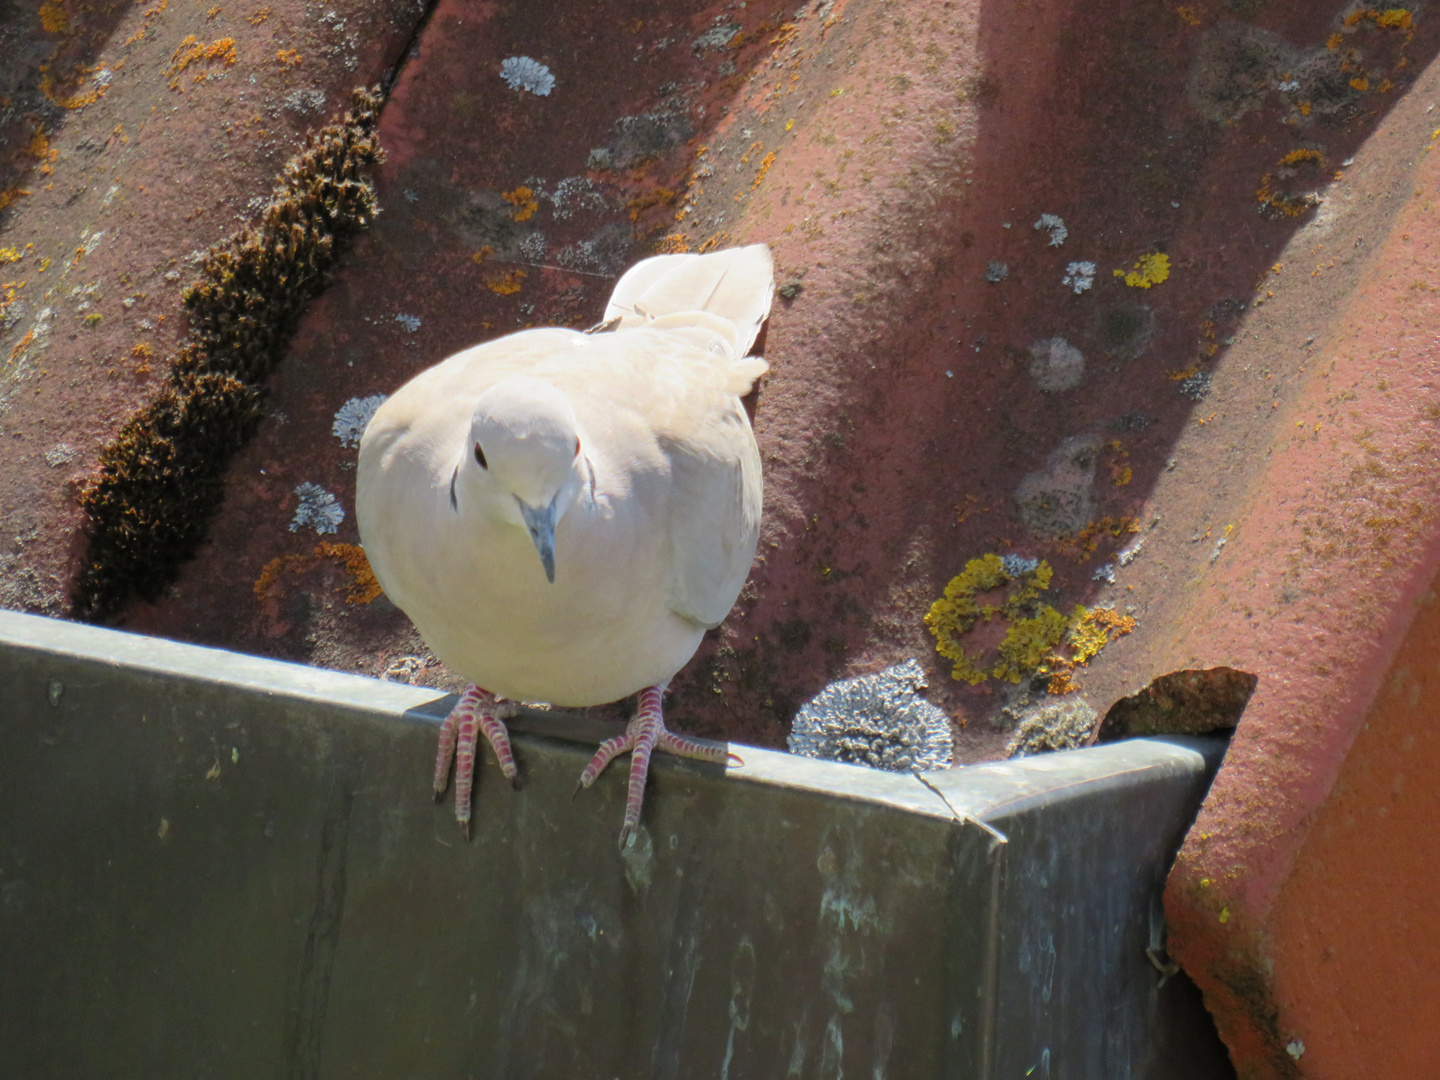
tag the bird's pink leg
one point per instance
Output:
(645, 732)
(477, 711)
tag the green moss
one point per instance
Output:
(162, 478)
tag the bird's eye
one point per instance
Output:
(577, 447)
(480, 456)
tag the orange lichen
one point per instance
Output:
(260, 16)
(264, 587)
(1083, 544)
(10, 194)
(505, 284)
(715, 241)
(288, 57)
(10, 255)
(660, 196)
(674, 244)
(1334, 41)
(1298, 157)
(787, 32)
(1282, 203)
(77, 101)
(21, 345)
(364, 587)
(1360, 83)
(53, 18)
(524, 201)
(1188, 15)
(483, 254)
(765, 163)
(42, 152)
(192, 51)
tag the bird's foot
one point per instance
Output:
(642, 735)
(477, 711)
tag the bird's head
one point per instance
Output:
(522, 462)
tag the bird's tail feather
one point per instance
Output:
(734, 285)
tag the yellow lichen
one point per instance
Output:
(524, 201)
(1360, 83)
(1299, 157)
(1149, 270)
(1393, 19)
(505, 284)
(1028, 643)
(10, 194)
(957, 612)
(1093, 629)
(10, 255)
(1037, 637)
(288, 57)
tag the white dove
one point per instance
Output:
(563, 515)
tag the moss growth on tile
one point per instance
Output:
(162, 478)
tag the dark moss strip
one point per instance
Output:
(162, 478)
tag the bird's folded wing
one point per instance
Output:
(714, 515)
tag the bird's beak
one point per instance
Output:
(541, 523)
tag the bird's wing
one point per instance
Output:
(735, 285)
(652, 389)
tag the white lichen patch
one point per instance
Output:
(411, 323)
(532, 245)
(877, 720)
(527, 75)
(717, 37)
(60, 454)
(1079, 276)
(1018, 565)
(1058, 499)
(575, 194)
(1049, 725)
(318, 509)
(1056, 227)
(353, 417)
(1056, 365)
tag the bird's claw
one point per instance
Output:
(477, 712)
